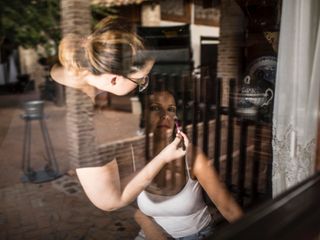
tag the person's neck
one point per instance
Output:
(86, 87)
(90, 91)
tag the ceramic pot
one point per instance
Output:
(252, 98)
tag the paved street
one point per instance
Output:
(57, 209)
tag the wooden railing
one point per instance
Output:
(247, 140)
(294, 215)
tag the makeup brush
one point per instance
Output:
(176, 121)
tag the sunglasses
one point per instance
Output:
(141, 82)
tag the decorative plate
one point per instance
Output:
(263, 69)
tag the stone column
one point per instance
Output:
(231, 46)
(76, 18)
(150, 14)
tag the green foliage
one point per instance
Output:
(99, 12)
(30, 23)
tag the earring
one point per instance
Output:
(114, 80)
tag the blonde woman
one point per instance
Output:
(106, 60)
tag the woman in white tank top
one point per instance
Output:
(174, 199)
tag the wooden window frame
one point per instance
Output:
(204, 21)
(185, 18)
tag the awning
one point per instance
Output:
(113, 3)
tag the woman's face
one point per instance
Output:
(162, 110)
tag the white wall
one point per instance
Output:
(196, 32)
(29, 65)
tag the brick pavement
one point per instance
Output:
(58, 209)
(40, 211)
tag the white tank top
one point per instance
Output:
(179, 215)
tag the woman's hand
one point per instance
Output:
(176, 149)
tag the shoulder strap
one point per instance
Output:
(133, 159)
(187, 166)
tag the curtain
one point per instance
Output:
(2, 76)
(13, 71)
(296, 94)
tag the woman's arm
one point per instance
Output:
(219, 195)
(102, 184)
(151, 229)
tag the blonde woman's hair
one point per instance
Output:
(111, 48)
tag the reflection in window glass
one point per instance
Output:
(215, 83)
